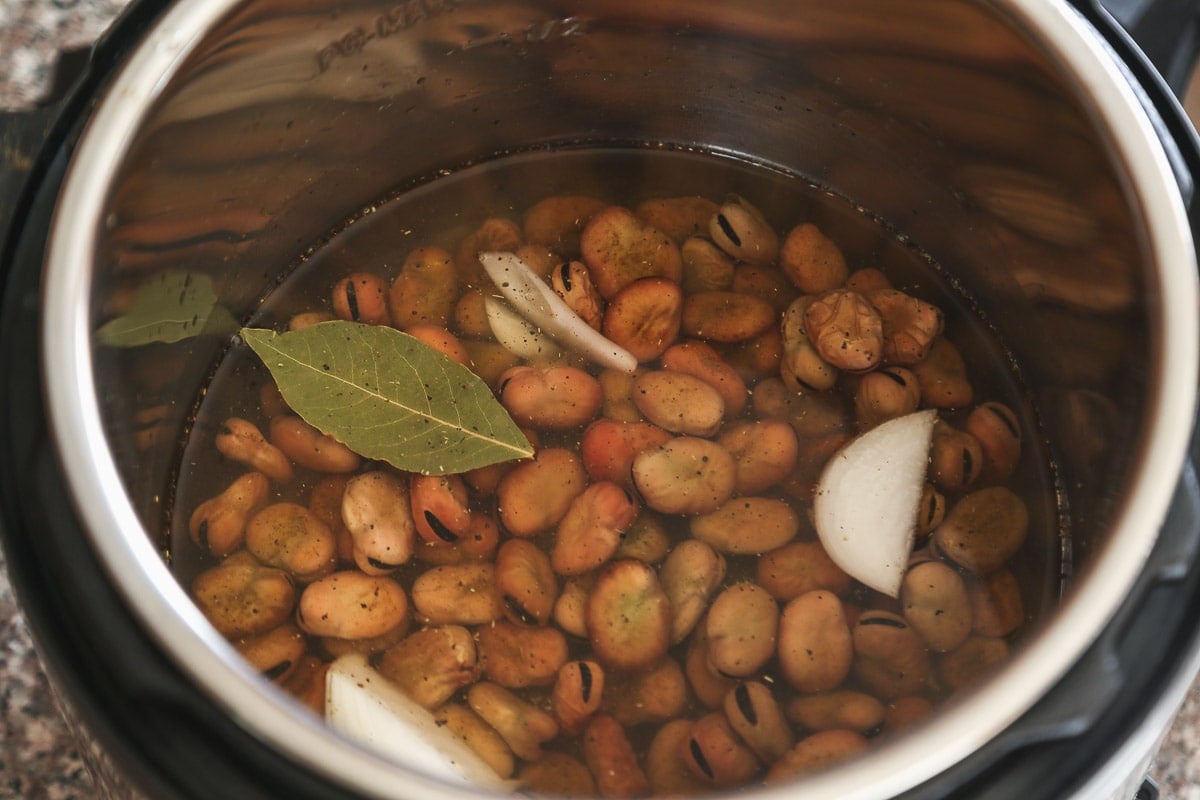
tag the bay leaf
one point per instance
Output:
(170, 306)
(390, 397)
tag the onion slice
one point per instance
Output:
(364, 706)
(533, 299)
(866, 502)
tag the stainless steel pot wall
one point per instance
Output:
(1000, 137)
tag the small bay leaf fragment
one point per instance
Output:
(168, 307)
(389, 397)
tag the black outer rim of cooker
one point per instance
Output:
(165, 738)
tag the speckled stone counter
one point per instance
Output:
(38, 758)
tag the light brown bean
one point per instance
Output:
(974, 660)
(984, 529)
(996, 604)
(378, 515)
(943, 377)
(351, 605)
(886, 394)
(705, 266)
(904, 712)
(617, 387)
(764, 453)
(481, 737)
(811, 260)
(687, 475)
(655, 695)
(742, 231)
(556, 775)
(679, 402)
(847, 709)
(431, 664)
(677, 217)
(934, 598)
(619, 249)
(608, 448)
(495, 234)
(709, 685)
(815, 644)
(800, 567)
(756, 717)
(766, 283)
(666, 769)
(724, 316)
(591, 531)
(998, 431)
(550, 398)
(470, 316)
(573, 283)
(577, 694)
(536, 494)
(613, 761)
(644, 317)
(524, 726)
(241, 597)
(955, 458)
(801, 365)
(689, 576)
(628, 616)
(646, 540)
(557, 222)
(742, 627)
(426, 289)
(518, 656)
(867, 280)
(699, 359)
(890, 658)
(747, 525)
(816, 751)
(361, 297)
(441, 340)
(292, 538)
(240, 440)
(909, 326)
(308, 447)
(275, 653)
(845, 329)
(526, 586)
(308, 319)
(441, 509)
(458, 594)
(219, 523)
(570, 608)
(716, 754)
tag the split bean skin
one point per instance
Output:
(643, 606)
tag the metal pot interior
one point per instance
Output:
(997, 137)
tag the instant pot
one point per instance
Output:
(1029, 146)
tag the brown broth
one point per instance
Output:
(443, 210)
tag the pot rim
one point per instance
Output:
(162, 606)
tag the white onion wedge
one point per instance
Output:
(533, 299)
(866, 502)
(515, 333)
(364, 706)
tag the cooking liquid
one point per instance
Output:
(445, 209)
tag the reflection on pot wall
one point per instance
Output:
(289, 118)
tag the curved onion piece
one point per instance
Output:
(364, 706)
(533, 298)
(865, 508)
(517, 334)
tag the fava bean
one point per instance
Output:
(909, 326)
(943, 377)
(700, 360)
(590, 532)
(377, 512)
(723, 316)
(290, 537)
(705, 266)
(983, 530)
(646, 540)
(570, 608)
(478, 735)
(656, 695)
(747, 525)
(459, 594)
(608, 448)
(742, 627)
(886, 394)
(679, 402)
(550, 398)
(818, 750)
(765, 283)
(219, 524)
(495, 234)
(489, 360)
(578, 692)
(838, 709)
(479, 543)
(241, 597)
(572, 282)
(974, 660)
(628, 616)
(845, 329)
(815, 645)
(756, 358)
(677, 217)
(556, 775)
(557, 222)
(800, 567)
(904, 712)
(523, 726)
(890, 658)
(955, 458)
(431, 664)
(619, 249)
(426, 290)
(351, 605)
(931, 510)
(617, 387)
(525, 583)
(240, 440)
(308, 319)
(470, 316)
(644, 317)
(275, 653)
(361, 297)
(666, 768)
(308, 447)
(443, 341)
(996, 428)
(996, 605)
(517, 656)
(612, 759)
(756, 717)
(740, 230)
(709, 685)
(935, 604)
(811, 261)
(716, 754)
(306, 683)
(764, 453)
(867, 280)
(536, 494)
(687, 475)
(440, 508)
(689, 576)
(801, 365)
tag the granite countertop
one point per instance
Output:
(39, 759)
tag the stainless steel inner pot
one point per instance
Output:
(1000, 136)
